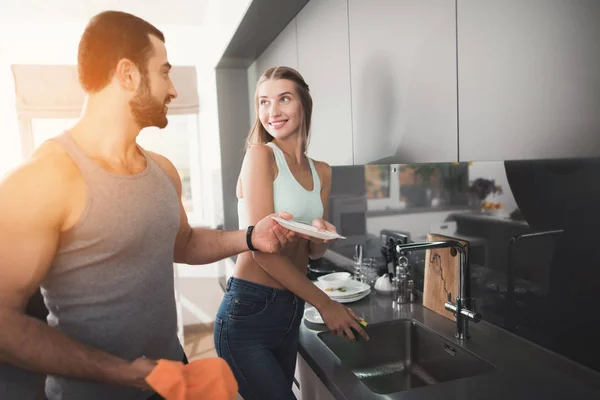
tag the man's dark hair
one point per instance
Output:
(109, 37)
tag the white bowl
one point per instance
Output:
(335, 280)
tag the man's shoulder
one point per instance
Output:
(51, 164)
(161, 160)
(166, 165)
(43, 184)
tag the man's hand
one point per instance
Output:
(140, 369)
(270, 237)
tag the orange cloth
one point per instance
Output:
(209, 378)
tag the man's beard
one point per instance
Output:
(146, 109)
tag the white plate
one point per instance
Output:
(344, 295)
(306, 229)
(335, 276)
(353, 288)
(312, 315)
(352, 299)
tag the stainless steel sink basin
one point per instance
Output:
(404, 355)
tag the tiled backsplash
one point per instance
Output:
(556, 276)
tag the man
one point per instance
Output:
(97, 222)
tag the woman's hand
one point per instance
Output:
(339, 319)
(317, 247)
(322, 226)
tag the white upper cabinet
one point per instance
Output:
(403, 80)
(323, 61)
(529, 79)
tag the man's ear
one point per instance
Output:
(127, 75)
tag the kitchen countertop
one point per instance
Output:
(523, 369)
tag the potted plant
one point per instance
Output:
(481, 188)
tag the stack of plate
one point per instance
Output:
(349, 292)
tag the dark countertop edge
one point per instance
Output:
(529, 369)
(415, 210)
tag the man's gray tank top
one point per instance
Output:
(111, 283)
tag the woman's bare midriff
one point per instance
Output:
(249, 270)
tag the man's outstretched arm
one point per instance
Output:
(204, 246)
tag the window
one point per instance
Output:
(176, 142)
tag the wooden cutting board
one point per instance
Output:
(440, 263)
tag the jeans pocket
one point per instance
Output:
(246, 307)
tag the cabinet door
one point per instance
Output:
(283, 51)
(311, 386)
(403, 75)
(529, 79)
(323, 61)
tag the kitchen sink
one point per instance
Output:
(404, 355)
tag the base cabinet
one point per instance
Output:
(311, 387)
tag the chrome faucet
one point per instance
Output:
(462, 309)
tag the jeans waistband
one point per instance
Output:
(236, 284)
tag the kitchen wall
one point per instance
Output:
(556, 276)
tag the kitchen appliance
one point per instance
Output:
(348, 214)
(389, 240)
(398, 236)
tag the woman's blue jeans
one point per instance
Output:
(256, 332)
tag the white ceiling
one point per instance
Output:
(158, 12)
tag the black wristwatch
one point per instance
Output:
(249, 238)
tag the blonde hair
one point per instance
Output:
(258, 134)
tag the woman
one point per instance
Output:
(256, 329)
